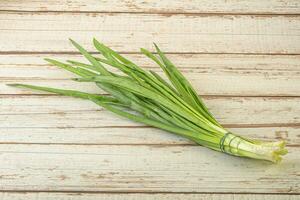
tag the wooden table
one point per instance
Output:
(243, 57)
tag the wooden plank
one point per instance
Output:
(132, 135)
(57, 111)
(53, 119)
(48, 32)
(135, 196)
(276, 75)
(156, 169)
(158, 6)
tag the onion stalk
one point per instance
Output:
(145, 97)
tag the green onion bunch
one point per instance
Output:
(145, 97)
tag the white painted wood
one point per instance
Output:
(52, 144)
(47, 111)
(142, 169)
(158, 6)
(132, 135)
(136, 196)
(128, 32)
(210, 74)
(53, 119)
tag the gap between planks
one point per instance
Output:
(117, 144)
(139, 53)
(142, 192)
(47, 195)
(202, 13)
(269, 125)
(205, 95)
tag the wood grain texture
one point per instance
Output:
(243, 56)
(132, 135)
(68, 112)
(158, 6)
(136, 196)
(48, 32)
(243, 75)
(54, 119)
(115, 168)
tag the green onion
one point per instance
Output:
(145, 97)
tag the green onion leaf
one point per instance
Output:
(145, 97)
